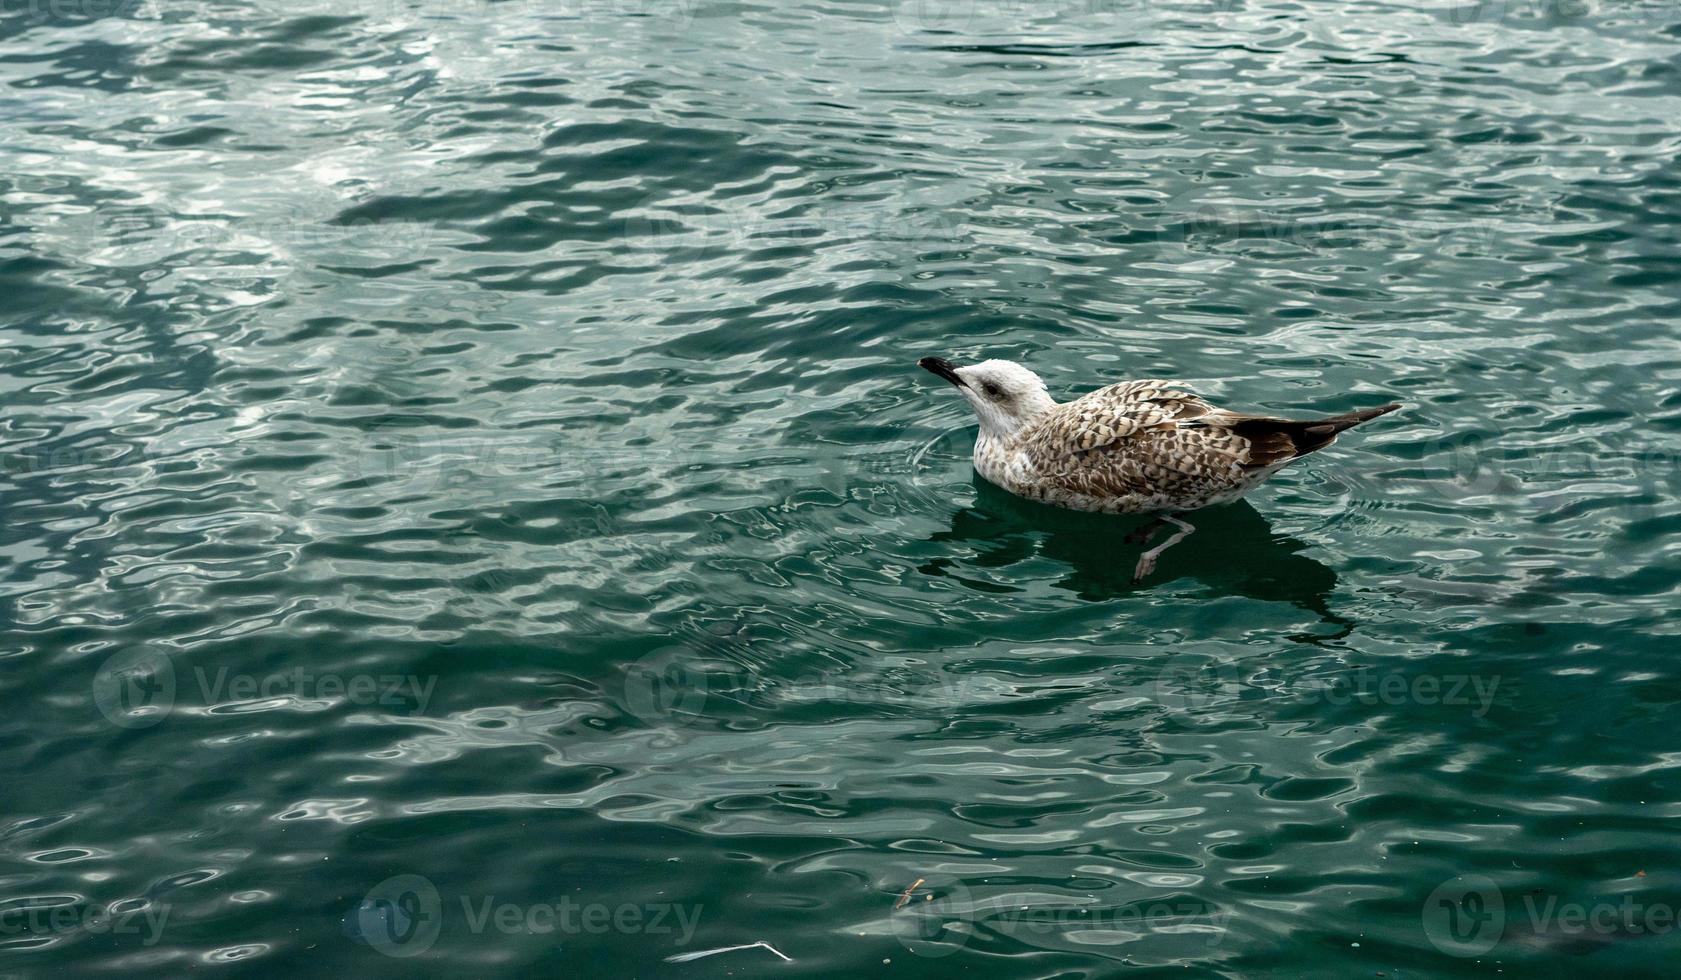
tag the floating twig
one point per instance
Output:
(906, 897)
(761, 944)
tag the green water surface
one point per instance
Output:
(471, 510)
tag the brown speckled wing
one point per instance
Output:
(1149, 438)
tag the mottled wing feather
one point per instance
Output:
(1269, 448)
(1149, 438)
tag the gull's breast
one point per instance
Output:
(1078, 483)
(995, 463)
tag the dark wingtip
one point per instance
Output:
(1341, 422)
(1304, 435)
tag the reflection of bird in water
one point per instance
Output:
(1239, 556)
(1137, 447)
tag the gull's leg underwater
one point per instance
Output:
(1147, 561)
(1144, 532)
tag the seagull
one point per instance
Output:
(1136, 447)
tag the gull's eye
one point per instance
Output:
(992, 390)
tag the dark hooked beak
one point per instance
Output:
(943, 368)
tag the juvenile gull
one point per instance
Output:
(1137, 447)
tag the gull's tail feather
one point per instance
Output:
(1274, 441)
